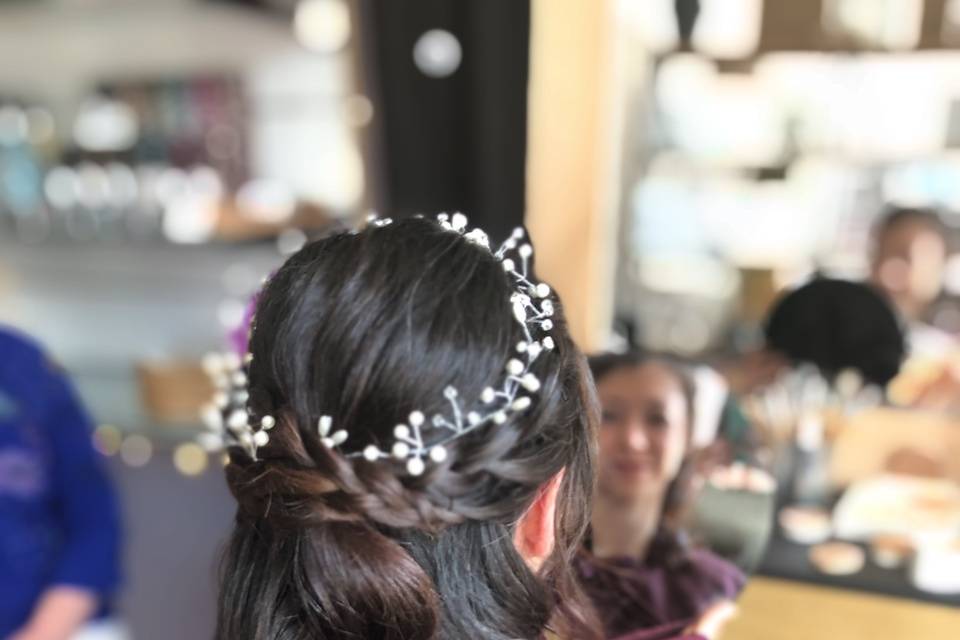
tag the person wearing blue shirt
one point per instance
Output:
(59, 517)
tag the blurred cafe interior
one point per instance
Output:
(761, 197)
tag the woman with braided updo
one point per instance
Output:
(410, 442)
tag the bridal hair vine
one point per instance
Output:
(419, 438)
(227, 416)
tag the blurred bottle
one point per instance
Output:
(21, 173)
(811, 478)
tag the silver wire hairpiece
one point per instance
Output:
(227, 416)
(417, 439)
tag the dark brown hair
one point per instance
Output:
(366, 327)
(894, 216)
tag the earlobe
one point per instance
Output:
(535, 533)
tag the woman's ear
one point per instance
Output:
(535, 533)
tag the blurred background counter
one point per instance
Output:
(790, 611)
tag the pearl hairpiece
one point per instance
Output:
(227, 416)
(416, 440)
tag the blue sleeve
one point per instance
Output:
(85, 499)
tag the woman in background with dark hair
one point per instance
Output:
(639, 570)
(410, 446)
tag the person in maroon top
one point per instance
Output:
(638, 567)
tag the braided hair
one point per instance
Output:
(364, 327)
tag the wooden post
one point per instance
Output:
(573, 157)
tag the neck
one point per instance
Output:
(908, 308)
(623, 528)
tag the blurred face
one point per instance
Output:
(643, 433)
(909, 265)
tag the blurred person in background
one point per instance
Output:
(639, 568)
(907, 264)
(59, 521)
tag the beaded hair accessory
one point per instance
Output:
(418, 439)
